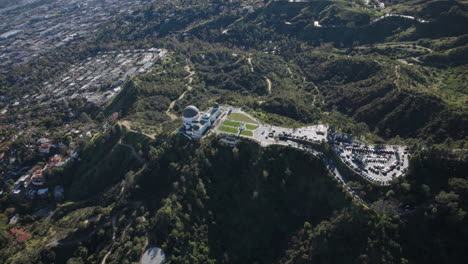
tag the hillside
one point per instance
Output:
(96, 116)
(395, 58)
(197, 200)
(350, 58)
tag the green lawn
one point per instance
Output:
(228, 129)
(241, 117)
(251, 127)
(230, 123)
(247, 133)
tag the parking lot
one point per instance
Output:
(378, 164)
(267, 134)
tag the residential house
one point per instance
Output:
(45, 148)
(38, 178)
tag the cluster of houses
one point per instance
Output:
(29, 30)
(33, 184)
(26, 141)
(99, 78)
(19, 234)
(48, 150)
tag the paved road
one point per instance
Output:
(331, 166)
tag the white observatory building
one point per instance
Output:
(190, 114)
(195, 124)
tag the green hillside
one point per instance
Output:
(197, 200)
(131, 182)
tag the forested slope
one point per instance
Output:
(205, 202)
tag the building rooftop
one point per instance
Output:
(190, 111)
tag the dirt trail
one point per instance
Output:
(268, 85)
(134, 152)
(268, 81)
(121, 238)
(195, 25)
(113, 220)
(249, 60)
(105, 257)
(189, 88)
(396, 45)
(145, 246)
(47, 220)
(315, 96)
(397, 73)
(128, 125)
(290, 72)
(410, 46)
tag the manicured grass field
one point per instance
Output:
(241, 117)
(247, 133)
(228, 129)
(251, 127)
(230, 123)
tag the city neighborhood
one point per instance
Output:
(99, 78)
(45, 28)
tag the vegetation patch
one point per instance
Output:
(247, 133)
(228, 129)
(241, 117)
(232, 124)
(251, 127)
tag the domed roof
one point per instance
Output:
(215, 105)
(190, 111)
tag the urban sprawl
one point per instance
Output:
(25, 35)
